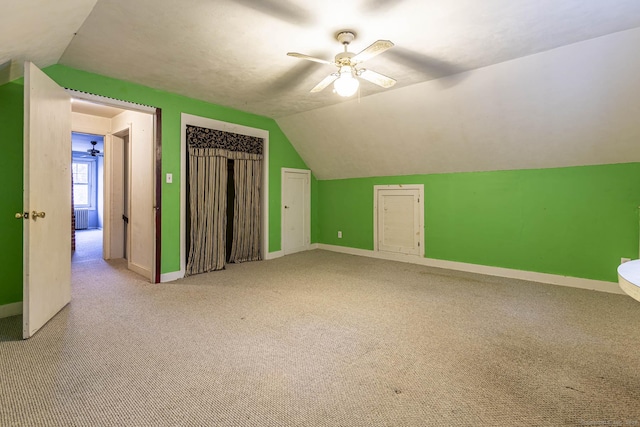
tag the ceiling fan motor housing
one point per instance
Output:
(344, 58)
(346, 37)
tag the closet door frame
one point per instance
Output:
(188, 119)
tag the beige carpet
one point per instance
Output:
(324, 339)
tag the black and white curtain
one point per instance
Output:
(209, 152)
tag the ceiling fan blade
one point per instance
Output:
(380, 4)
(309, 58)
(280, 9)
(429, 65)
(375, 49)
(377, 78)
(325, 82)
(294, 77)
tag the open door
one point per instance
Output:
(47, 199)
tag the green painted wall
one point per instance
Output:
(576, 221)
(281, 154)
(11, 117)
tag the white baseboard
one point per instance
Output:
(8, 310)
(553, 279)
(170, 277)
(274, 255)
(175, 275)
(139, 270)
(314, 246)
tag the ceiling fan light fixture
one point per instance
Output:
(347, 84)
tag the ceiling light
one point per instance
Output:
(347, 84)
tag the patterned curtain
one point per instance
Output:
(246, 212)
(207, 201)
(209, 151)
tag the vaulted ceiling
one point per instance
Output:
(449, 57)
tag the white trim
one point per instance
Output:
(188, 119)
(140, 270)
(13, 309)
(552, 279)
(307, 207)
(274, 255)
(421, 219)
(314, 246)
(170, 277)
(111, 102)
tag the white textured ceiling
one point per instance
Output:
(37, 31)
(233, 52)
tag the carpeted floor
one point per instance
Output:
(324, 339)
(88, 246)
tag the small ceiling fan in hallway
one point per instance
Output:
(93, 152)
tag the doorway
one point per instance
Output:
(48, 117)
(296, 210)
(191, 120)
(87, 167)
(130, 178)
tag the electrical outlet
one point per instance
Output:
(169, 178)
(339, 234)
(623, 260)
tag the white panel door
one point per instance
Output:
(47, 199)
(141, 240)
(399, 220)
(296, 202)
(113, 232)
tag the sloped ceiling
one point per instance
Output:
(233, 53)
(37, 31)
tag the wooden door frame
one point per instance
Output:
(157, 125)
(307, 206)
(122, 133)
(421, 226)
(189, 119)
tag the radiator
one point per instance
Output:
(82, 219)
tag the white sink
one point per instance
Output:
(629, 278)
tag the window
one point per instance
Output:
(82, 183)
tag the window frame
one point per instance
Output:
(91, 182)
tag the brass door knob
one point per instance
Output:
(22, 215)
(35, 215)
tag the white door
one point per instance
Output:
(399, 219)
(296, 210)
(47, 199)
(114, 201)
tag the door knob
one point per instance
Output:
(35, 215)
(22, 215)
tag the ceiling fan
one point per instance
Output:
(93, 151)
(348, 63)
